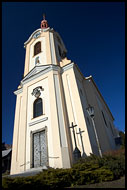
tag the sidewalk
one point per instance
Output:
(120, 183)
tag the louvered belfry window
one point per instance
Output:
(37, 108)
(37, 48)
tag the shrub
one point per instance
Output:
(117, 166)
(112, 160)
(18, 183)
(54, 178)
(115, 163)
(91, 169)
(96, 176)
(7, 183)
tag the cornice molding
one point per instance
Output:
(38, 71)
(68, 66)
(35, 32)
(18, 91)
(38, 121)
(31, 36)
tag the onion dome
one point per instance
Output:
(44, 23)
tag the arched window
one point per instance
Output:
(37, 108)
(37, 48)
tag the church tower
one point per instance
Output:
(52, 96)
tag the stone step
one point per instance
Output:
(30, 172)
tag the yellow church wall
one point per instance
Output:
(42, 55)
(84, 101)
(52, 125)
(109, 121)
(109, 118)
(74, 108)
(18, 159)
(66, 120)
(22, 132)
(26, 67)
(98, 118)
(32, 126)
(58, 156)
(47, 48)
(57, 122)
(92, 92)
(15, 145)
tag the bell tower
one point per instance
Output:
(41, 136)
(44, 47)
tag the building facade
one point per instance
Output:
(52, 94)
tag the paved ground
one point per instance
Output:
(120, 183)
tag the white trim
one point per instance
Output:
(45, 29)
(42, 72)
(38, 30)
(52, 48)
(88, 77)
(34, 71)
(18, 91)
(31, 36)
(38, 121)
(38, 71)
(59, 112)
(69, 66)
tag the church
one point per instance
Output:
(60, 115)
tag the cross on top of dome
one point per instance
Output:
(44, 23)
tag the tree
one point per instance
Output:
(122, 135)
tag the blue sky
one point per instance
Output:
(94, 35)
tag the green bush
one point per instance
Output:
(54, 178)
(96, 176)
(91, 169)
(18, 183)
(6, 183)
(115, 163)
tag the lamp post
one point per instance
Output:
(90, 111)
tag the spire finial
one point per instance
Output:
(43, 16)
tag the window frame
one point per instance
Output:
(36, 47)
(39, 112)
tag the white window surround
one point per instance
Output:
(38, 121)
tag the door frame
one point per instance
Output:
(32, 145)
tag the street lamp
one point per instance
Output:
(90, 111)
